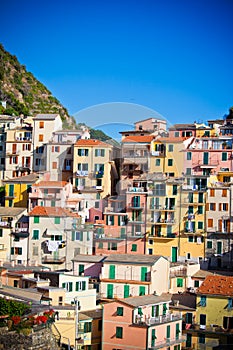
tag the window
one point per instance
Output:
(36, 219)
(112, 246)
(68, 286)
(54, 165)
(224, 156)
(41, 138)
(120, 311)
(83, 152)
(210, 222)
(97, 205)
(100, 246)
(112, 271)
(119, 332)
(99, 152)
(200, 225)
(80, 285)
(179, 282)
(168, 332)
(174, 190)
(35, 234)
(143, 273)
(189, 155)
(170, 162)
(188, 171)
(212, 192)
(212, 206)
(157, 162)
(200, 209)
(196, 284)
(57, 220)
(209, 245)
(134, 248)
(80, 269)
(142, 290)
(203, 301)
(1, 232)
(150, 251)
(77, 236)
(190, 239)
(87, 327)
(177, 134)
(56, 238)
(41, 125)
(224, 206)
(224, 193)
(170, 148)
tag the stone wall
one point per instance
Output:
(38, 339)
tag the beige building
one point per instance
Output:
(57, 236)
(12, 247)
(43, 127)
(125, 275)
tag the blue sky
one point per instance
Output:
(171, 57)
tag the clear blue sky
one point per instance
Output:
(171, 56)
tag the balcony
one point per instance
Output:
(5, 224)
(137, 189)
(168, 342)
(178, 273)
(169, 317)
(82, 173)
(21, 233)
(53, 260)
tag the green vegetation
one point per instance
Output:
(12, 308)
(24, 94)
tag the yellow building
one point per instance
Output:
(17, 190)
(214, 314)
(92, 167)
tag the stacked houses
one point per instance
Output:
(111, 235)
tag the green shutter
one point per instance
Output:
(80, 269)
(142, 290)
(77, 286)
(120, 311)
(153, 337)
(112, 271)
(64, 285)
(143, 273)
(81, 236)
(83, 285)
(177, 330)
(110, 291)
(36, 219)
(73, 236)
(153, 311)
(11, 190)
(12, 250)
(168, 332)
(119, 332)
(126, 291)
(134, 248)
(70, 286)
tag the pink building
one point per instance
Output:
(143, 322)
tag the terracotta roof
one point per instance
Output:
(52, 211)
(217, 285)
(51, 184)
(91, 143)
(139, 139)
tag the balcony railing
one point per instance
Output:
(53, 260)
(137, 189)
(167, 342)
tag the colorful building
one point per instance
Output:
(142, 322)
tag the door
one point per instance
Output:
(174, 254)
(110, 291)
